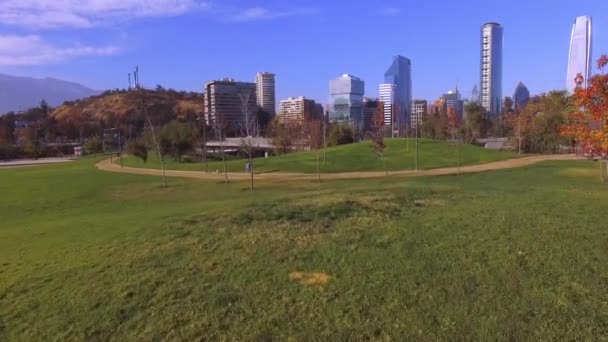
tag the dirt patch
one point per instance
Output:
(310, 279)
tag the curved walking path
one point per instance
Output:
(107, 165)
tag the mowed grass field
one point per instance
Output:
(512, 255)
(400, 155)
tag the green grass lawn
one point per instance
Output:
(512, 255)
(400, 155)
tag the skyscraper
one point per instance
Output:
(491, 68)
(223, 102)
(579, 58)
(346, 100)
(521, 96)
(400, 75)
(475, 94)
(453, 103)
(265, 90)
(386, 92)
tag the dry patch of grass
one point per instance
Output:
(579, 172)
(310, 279)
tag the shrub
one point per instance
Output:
(33, 149)
(93, 145)
(138, 149)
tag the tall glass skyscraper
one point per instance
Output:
(521, 96)
(346, 100)
(399, 74)
(491, 68)
(579, 59)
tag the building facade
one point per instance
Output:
(491, 68)
(579, 58)
(223, 101)
(386, 93)
(265, 92)
(399, 74)
(298, 110)
(346, 100)
(521, 96)
(370, 106)
(419, 110)
(453, 104)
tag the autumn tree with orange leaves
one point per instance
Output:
(588, 123)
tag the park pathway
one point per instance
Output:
(108, 165)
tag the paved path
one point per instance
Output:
(30, 162)
(107, 165)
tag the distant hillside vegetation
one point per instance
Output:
(21, 93)
(122, 106)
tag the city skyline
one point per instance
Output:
(100, 54)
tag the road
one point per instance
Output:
(31, 162)
(107, 165)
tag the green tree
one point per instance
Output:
(93, 145)
(476, 123)
(138, 149)
(341, 134)
(176, 138)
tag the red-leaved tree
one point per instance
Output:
(588, 123)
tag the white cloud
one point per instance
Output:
(262, 13)
(390, 11)
(88, 13)
(33, 50)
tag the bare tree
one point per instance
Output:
(378, 135)
(204, 144)
(453, 127)
(314, 132)
(220, 129)
(249, 127)
(153, 132)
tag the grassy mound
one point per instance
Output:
(400, 155)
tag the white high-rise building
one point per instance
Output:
(491, 68)
(265, 91)
(579, 58)
(387, 97)
(419, 110)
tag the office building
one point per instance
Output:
(223, 100)
(370, 106)
(579, 58)
(521, 96)
(298, 110)
(346, 100)
(491, 68)
(265, 91)
(399, 74)
(419, 109)
(453, 104)
(475, 94)
(387, 97)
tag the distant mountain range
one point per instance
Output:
(20, 93)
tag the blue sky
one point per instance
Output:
(184, 43)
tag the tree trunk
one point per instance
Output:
(318, 169)
(384, 164)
